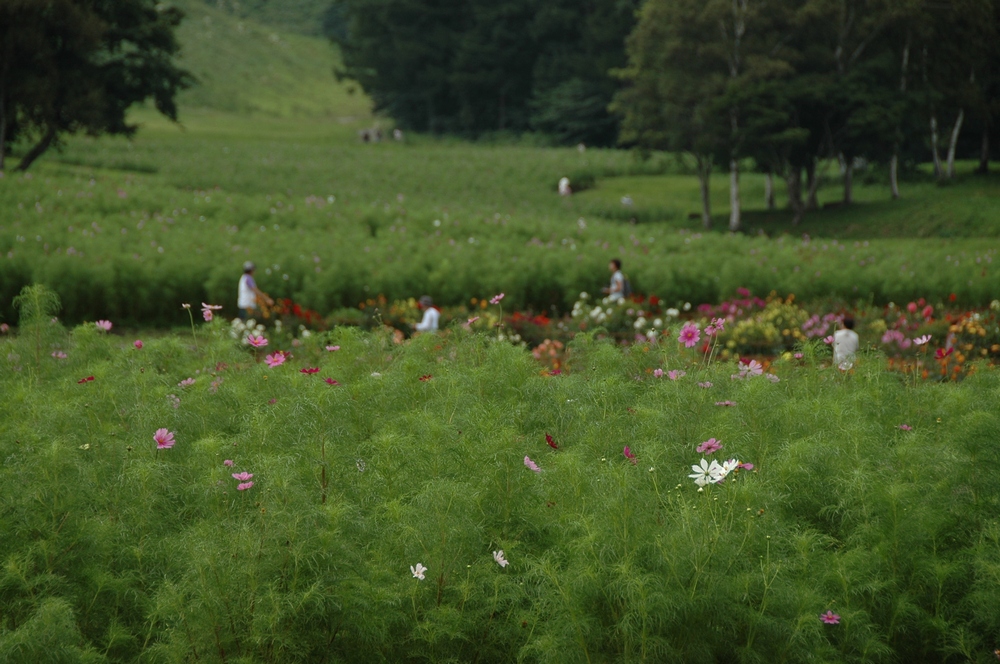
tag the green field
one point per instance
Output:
(128, 228)
(419, 453)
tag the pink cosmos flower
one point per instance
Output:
(754, 368)
(690, 335)
(187, 382)
(471, 320)
(309, 370)
(496, 298)
(333, 349)
(4, 328)
(798, 356)
(242, 477)
(257, 341)
(243, 486)
(725, 403)
(674, 374)
(830, 618)
(499, 558)
(330, 381)
(658, 373)
(629, 455)
(59, 355)
(710, 446)
(912, 307)
(772, 378)
(164, 439)
(906, 427)
(531, 465)
(228, 462)
(104, 325)
(705, 385)
(928, 311)
(920, 341)
(137, 343)
(745, 466)
(828, 340)
(275, 359)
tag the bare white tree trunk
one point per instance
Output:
(769, 190)
(734, 195)
(938, 171)
(894, 175)
(953, 143)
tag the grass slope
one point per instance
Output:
(247, 67)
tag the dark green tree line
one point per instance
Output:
(475, 66)
(797, 85)
(69, 66)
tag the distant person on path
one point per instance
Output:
(845, 345)
(431, 315)
(249, 293)
(616, 291)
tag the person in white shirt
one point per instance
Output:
(845, 345)
(248, 295)
(617, 289)
(431, 315)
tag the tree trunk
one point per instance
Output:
(769, 190)
(894, 173)
(812, 203)
(953, 143)
(3, 124)
(984, 152)
(37, 151)
(938, 171)
(704, 172)
(848, 181)
(794, 182)
(734, 195)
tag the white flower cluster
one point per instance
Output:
(712, 473)
(243, 329)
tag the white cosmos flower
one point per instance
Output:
(418, 571)
(729, 466)
(498, 556)
(673, 313)
(706, 473)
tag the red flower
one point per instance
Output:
(330, 381)
(85, 380)
(551, 442)
(425, 378)
(941, 353)
(951, 298)
(309, 370)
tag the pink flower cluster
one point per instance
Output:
(207, 309)
(244, 480)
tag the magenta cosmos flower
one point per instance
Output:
(243, 486)
(228, 462)
(710, 446)
(309, 370)
(496, 298)
(164, 439)
(257, 341)
(333, 349)
(906, 427)
(674, 374)
(242, 477)
(275, 359)
(137, 343)
(658, 373)
(690, 335)
(705, 385)
(629, 454)
(59, 355)
(830, 618)
(725, 403)
(103, 325)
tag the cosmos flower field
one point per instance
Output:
(183, 498)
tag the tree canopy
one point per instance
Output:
(477, 66)
(69, 66)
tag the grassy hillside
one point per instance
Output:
(243, 66)
(301, 16)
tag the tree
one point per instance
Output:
(74, 66)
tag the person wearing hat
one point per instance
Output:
(431, 315)
(249, 293)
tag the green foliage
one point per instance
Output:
(72, 66)
(114, 547)
(478, 67)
